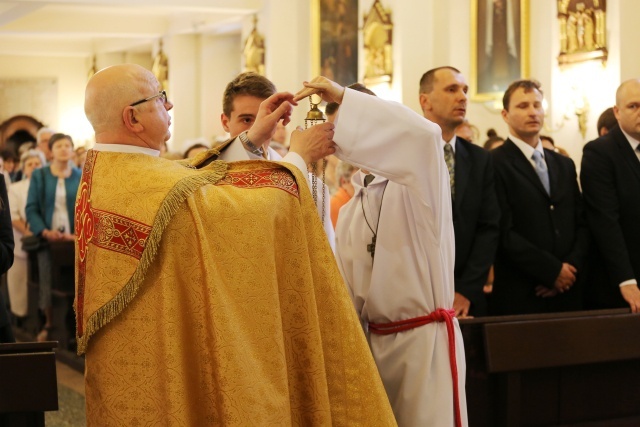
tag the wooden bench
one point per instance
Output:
(564, 369)
(28, 383)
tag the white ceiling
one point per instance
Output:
(87, 27)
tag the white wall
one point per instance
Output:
(71, 74)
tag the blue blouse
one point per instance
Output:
(41, 199)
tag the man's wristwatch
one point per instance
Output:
(258, 151)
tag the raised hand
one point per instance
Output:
(273, 109)
(329, 91)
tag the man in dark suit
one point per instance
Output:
(610, 179)
(443, 98)
(544, 238)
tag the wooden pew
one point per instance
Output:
(28, 385)
(62, 294)
(563, 369)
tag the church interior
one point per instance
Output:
(530, 370)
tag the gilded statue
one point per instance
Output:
(254, 50)
(377, 34)
(582, 29)
(160, 67)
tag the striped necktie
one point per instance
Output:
(449, 159)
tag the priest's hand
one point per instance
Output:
(314, 143)
(329, 91)
(631, 295)
(461, 305)
(273, 109)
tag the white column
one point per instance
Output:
(220, 56)
(629, 35)
(286, 25)
(184, 91)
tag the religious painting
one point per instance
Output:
(335, 40)
(582, 30)
(499, 46)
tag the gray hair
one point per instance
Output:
(30, 154)
(44, 130)
(344, 170)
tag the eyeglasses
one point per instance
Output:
(162, 94)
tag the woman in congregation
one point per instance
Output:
(18, 191)
(50, 204)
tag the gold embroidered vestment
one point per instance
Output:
(211, 297)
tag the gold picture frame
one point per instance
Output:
(583, 30)
(504, 58)
(334, 39)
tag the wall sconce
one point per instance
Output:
(581, 108)
(578, 105)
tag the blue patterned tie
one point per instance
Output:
(541, 169)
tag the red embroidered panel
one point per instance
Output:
(105, 230)
(119, 234)
(84, 233)
(277, 178)
(83, 216)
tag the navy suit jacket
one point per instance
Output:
(476, 218)
(610, 177)
(539, 232)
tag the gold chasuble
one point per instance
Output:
(210, 296)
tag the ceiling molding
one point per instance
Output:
(88, 27)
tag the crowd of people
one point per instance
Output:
(231, 294)
(42, 188)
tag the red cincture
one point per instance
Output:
(440, 315)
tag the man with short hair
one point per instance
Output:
(240, 104)
(189, 308)
(443, 98)
(539, 266)
(610, 177)
(606, 121)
